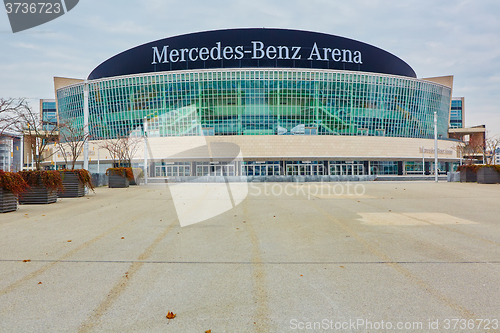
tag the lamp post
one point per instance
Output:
(145, 128)
(423, 161)
(435, 148)
(86, 125)
(54, 156)
(22, 152)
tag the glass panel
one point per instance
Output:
(261, 102)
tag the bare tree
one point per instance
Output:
(121, 149)
(132, 147)
(469, 151)
(9, 107)
(22, 120)
(472, 151)
(491, 144)
(72, 139)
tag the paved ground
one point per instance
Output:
(284, 260)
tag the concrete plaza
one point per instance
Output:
(374, 257)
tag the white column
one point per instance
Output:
(22, 152)
(435, 147)
(36, 156)
(145, 128)
(98, 161)
(54, 157)
(11, 153)
(423, 161)
(86, 124)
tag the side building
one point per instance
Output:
(473, 138)
(11, 150)
(263, 102)
(457, 112)
(48, 114)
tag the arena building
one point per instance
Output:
(263, 102)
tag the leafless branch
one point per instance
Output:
(72, 139)
(19, 118)
(121, 149)
(9, 109)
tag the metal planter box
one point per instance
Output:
(118, 181)
(8, 201)
(488, 175)
(467, 176)
(73, 187)
(38, 195)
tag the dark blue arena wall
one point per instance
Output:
(253, 48)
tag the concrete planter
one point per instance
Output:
(117, 180)
(488, 175)
(38, 195)
(73, 187)
(467, 176)
(8, 201)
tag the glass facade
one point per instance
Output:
(297, 168)
(49, 114)
(260, 102)
(457, 113)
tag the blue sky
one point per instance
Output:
(460, 38)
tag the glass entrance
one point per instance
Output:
(346, 169)
(304, 169)
(215, 170)
(173, 170)
(261, 169)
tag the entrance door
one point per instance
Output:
(228, 170)
(202, 170)
(346, 169)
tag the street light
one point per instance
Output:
(86, 125)
(145, 128)
(435, 148)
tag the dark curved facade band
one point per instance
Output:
(253, 48)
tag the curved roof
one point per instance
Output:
(253, 48)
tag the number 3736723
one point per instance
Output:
(32, 8)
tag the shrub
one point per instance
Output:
(13, 182)
(469, 167)
(121, 171)
(476, 167)
(50, 179)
